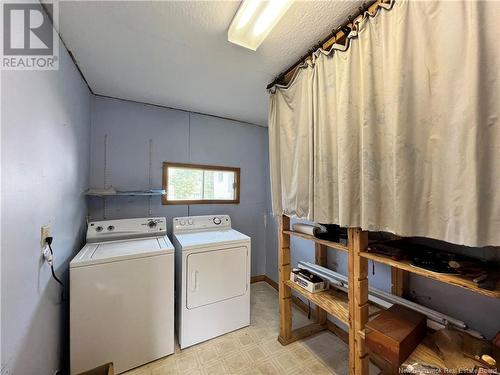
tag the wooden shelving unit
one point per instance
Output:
(352, 308)
(423, 353)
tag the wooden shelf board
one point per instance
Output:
(448, 279)
(425, 355)
(333, 301)
(334, 245)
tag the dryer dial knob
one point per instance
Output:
(152, 224)
(99, 229)
(217, 220)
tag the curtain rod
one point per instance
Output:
(344, 28)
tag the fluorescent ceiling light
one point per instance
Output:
(254, 20)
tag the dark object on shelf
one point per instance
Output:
(434, 260)
(395, 333)
(485, 275)
(490, 282)
(393, 249)
(309, 276)
(332, 233)
(496, 339)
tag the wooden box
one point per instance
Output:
(395, 333)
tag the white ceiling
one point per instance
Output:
(176, 54)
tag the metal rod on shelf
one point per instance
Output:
(376, 295)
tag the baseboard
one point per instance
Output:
(332, 327)
(267, 279)
(258, 278)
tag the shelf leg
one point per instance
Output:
(285, 294)
(399, 280)
(321, 260)
(358, 301)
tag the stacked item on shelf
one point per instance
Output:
(307, 280)
(328, 232)
(484, 274)
(395, 333)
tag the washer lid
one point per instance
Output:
(111, 251)
(209, 238)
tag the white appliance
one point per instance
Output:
(122, 295)
(212, 278)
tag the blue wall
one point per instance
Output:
(126, 130)
(45, 170)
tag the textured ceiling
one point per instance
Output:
(176, 54)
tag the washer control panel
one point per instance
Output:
(196, 223)
(108, 230)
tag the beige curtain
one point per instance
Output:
(403, 128)
(291, 147)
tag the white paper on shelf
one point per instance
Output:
(306, 228)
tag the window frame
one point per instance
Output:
(167, 165)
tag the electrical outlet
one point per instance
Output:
(44, 233)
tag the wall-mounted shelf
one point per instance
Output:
(459, 281)
(331, 244)
(145, 193)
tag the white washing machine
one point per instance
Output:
(212, 278)
(122, 295)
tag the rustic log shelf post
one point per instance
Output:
(320, 257)
(285, 293)
(358, 301)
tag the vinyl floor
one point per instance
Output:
(255, 349)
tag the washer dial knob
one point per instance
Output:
(217, 220)
(152, 224)
(99, 229)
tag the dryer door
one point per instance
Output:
(216, 275)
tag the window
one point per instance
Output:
(199, 184)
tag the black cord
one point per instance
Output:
(49, 242)
(52, 268)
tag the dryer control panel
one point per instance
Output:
(200, 223)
